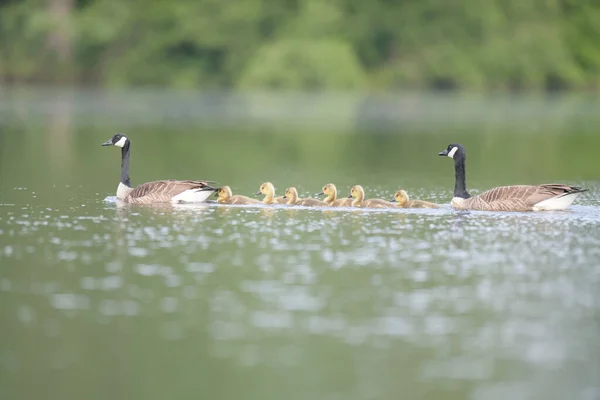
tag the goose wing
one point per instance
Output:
(529, 194)
(164, 191)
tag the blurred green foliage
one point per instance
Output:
(479, 45)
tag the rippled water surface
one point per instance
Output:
(100, 300)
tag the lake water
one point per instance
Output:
(100, 300)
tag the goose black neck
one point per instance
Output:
(125, 165)
(460, 180)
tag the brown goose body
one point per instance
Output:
(357, 193)
(226, 197)
(403, 201)
(331, 200)
(291, 197)
(515, 198)
(164, 191)
(547, 197)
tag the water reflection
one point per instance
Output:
(465, 297)
(258, 301)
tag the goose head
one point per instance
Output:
(118, 140)
(454, 151)
(401, 197)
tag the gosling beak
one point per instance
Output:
(443, 153)
(108, 143)
(284, 197)
(320, 194)
(392, 200)
(257, 193)
(350, 196)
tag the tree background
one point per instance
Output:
(375, 45)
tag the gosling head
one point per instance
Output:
(118, 140)
(291, 194)
(224, 193)
(266, 189)
(329, 190)
(454, 151)
(400, 197)
(356, 192)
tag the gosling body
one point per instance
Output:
(227, 197)
(402, 200)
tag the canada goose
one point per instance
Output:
(402, 200)
(507, 198)
(291, 196)
(331, 200)
(166, 191)
(226, 197)
(358, 194)
(268, 190)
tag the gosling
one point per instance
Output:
(357, 193)
(225, 197)
(268, 190)
(291, 195)
(402, 200)
(331, 200)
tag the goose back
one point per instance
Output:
(166, 191)
(517, 197)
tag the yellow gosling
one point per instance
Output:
(357, 193)
(331, 200)
(402, 200)
(225, 197)
(291, 195)
(268, 190)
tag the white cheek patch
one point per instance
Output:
(452, 152)
(121, 142)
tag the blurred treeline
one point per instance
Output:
(483, 45)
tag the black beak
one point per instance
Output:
(320, 194)
(392, 200)
(108, 143)
(284, 197)
(350, 196)
(443, 153)
(257, 193)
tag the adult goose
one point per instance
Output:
(166, 191)
(545, 197)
